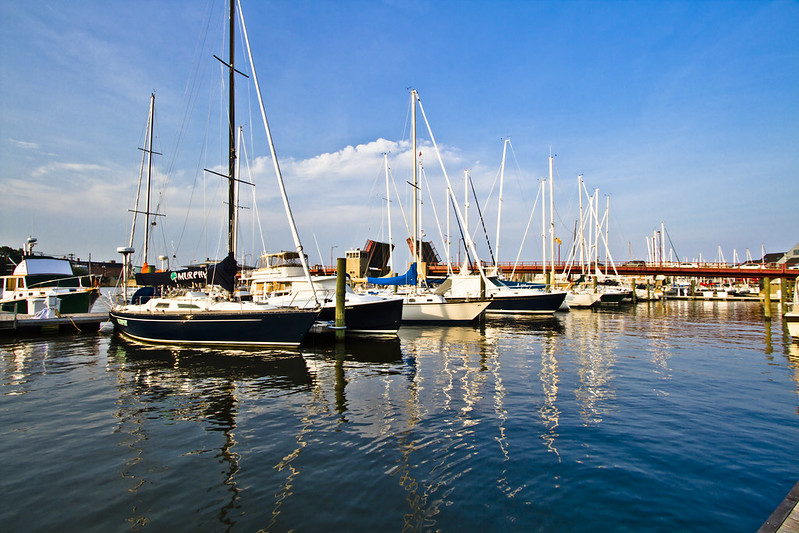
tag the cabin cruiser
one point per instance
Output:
(279, 279)
(39, 279)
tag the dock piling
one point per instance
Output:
(341, 272)
(783, 299)
(767, 298)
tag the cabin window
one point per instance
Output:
(162, 305)
(188, 306)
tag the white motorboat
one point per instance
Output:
(37, 279)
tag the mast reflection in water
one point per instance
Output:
(676, 416)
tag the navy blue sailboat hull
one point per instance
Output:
(383, 316)
(279, 327)
(543, 303)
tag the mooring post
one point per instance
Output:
(341, 272)
(635, 296)
(482, 317)
(783, 299)
(767, 298)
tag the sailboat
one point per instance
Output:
(504, 299)
(419, 304)
(176, 312)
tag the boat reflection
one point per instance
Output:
(530, 324)
(24, 360)
(792, 354)
(594, 343)
(191, 385)
(549, 411)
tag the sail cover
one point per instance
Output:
(222, 274)
(409, 278)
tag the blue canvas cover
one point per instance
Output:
(409, 278)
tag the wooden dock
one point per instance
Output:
(18, 324)
(785, 518)
(699, 297)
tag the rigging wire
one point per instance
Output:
(485, 231)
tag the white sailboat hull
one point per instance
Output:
(792, 320)
(416, 310)
(582, 299)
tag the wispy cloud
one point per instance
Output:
(25, 145)
(72, 168)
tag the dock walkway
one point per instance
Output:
(785, 518)
(13, 324)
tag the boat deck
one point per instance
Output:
(18, 324)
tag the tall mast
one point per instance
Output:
(499, 209)
(449, 232)
(544, 227)
(147, 152)
(149, 174)
(595, 210)
(416, 254)
(607, 229)
(466, 199)
(232, 134)
(388, 213)
(237, 182)
(582, 234)
(551, 221)
(466, 212)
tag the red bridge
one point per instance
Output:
(639, 269)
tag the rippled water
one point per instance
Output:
(658, 417)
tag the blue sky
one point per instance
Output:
(684, 113)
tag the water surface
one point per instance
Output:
(654, 417)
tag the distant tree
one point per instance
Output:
(9, 257)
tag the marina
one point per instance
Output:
(482, 362)
(655, 416)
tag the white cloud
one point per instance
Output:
(25, 145)
(68, 168)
